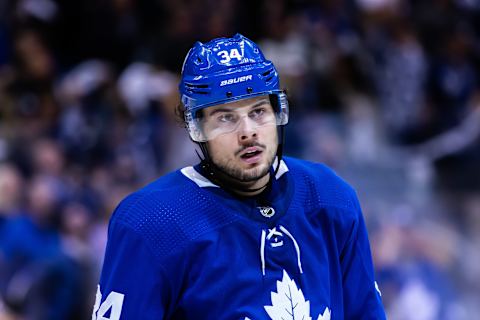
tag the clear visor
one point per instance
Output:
(247, 115)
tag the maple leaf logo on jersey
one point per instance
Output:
(289, 303)
(326, 315)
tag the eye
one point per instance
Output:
(257, 113)
(226, 118)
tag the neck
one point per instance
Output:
(248, 189)
(240, 188)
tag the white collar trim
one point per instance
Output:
(283, 168)
(196, 177)
(202, 182)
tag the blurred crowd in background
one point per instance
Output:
(386, 92)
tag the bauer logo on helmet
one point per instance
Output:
(235, 80)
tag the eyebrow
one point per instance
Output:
(257, 104)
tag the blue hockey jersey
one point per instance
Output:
(184, 248)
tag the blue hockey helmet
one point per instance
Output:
(226, 70)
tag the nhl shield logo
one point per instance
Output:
(267, 212)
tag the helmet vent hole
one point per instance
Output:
(249, 90)
(229, 94)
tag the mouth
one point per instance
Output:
(251, 155)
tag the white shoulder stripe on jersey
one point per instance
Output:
(196, 177)
(202, 182)
(283, 168)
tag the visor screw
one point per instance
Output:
(229, 94)
(249, 90)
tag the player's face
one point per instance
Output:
(244, 137)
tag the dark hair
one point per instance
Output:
(180, 115)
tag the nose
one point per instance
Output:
(247, 130)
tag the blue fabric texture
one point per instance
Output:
(177, 250)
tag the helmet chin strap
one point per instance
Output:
(215, 174)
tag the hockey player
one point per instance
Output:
(246, 233)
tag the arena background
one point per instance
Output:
(384, 91)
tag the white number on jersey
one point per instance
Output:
(114, 302)
(227, 56)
